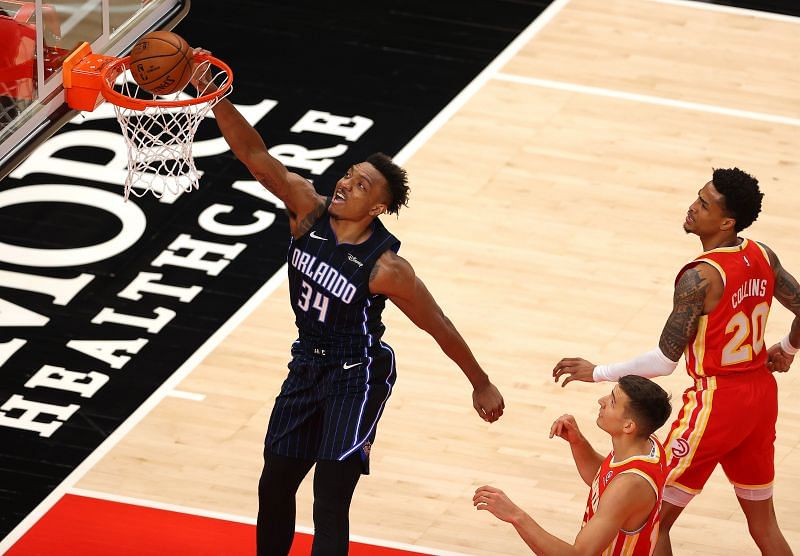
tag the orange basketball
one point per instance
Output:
(161, 62)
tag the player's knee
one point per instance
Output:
(758, 509)
(760, 513)
(330, 508)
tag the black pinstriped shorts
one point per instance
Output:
(328, 408)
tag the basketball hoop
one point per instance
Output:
(158, 130)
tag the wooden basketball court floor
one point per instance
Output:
(546, 211)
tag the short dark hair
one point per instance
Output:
(649, 404)
(741, 193)
(396, 178)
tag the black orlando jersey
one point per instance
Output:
(335, 313)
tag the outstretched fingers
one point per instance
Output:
(573, 368)
(565, 368)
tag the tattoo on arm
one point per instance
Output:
(688, 302)
(787, 290)
(305, 224)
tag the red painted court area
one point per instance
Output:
(82, 526)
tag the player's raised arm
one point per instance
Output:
(787, 291)
(587, 459)
(297, 193)
(394, 277)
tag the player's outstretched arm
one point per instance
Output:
(587, 459)
(394, 277)
(787, 291)
(695, 287)
(496, 502)
(297, 193)
(623, 498)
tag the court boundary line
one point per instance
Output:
(735, 10)
(416, 142)
(184, 395)
(458, 102)
(235, 518)
(648, 99)
(166, 388)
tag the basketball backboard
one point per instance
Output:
(36, 36)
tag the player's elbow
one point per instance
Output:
(267, 177)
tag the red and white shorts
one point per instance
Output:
(728, 420)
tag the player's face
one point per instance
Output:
(706, 215)
(611, 417)
(361, 192)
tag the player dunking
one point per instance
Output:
(721, 303)
(343, 265)
(621, 515)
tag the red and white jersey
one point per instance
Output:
(653, 469)
(730, 339)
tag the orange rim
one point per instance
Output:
(120, 65)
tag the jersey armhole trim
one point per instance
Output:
(716, 266)
(764, 252)
(652, 484)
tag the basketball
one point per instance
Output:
(161, 62)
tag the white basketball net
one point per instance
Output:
(160, 139)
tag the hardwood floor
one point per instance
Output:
(546, 220)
